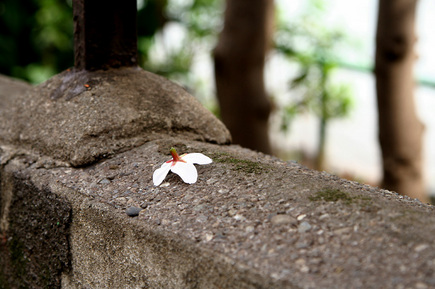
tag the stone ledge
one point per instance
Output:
(81, 117)
(251, 221)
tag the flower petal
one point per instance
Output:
(160, 174)
(186, 171)
(197, 158)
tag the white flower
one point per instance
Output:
(182, 166)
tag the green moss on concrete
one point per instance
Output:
(331, 195)
(45, 276)
(364, 200)
(246, 166)
(335, 195)
(18, 259)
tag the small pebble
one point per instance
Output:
(232, 212)
(283, 219)
(133, 211)
(211, 181)
(202, 218)
(166, 222)
(199, 208)
(111, 177)
(304, 227)
(342, 231)
(421, 285)
(421, 247)
(208, 237)
(121, 200)
(104, 181)
(302, 245)
(249, 229)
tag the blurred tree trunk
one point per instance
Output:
(400, 131)
(239, 67)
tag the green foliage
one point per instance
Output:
(197, 23)
(312, 46)
(150, 19)
(35, 38)
(36, 42)
(202, 18)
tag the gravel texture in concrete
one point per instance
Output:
(79, 208)
(81, 117)
(269, 223)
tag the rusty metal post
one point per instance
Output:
(105, 34)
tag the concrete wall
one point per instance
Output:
(251, 221)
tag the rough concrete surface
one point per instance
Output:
(11, 88)
(81, 117)
(251, 220)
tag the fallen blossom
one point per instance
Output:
(182, 166)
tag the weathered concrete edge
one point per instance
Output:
(82, 117)
(77, 235)
(44, 218)
(93, 230)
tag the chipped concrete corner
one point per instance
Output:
(251, 221)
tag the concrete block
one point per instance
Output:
(250, 221)
(81, 117)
